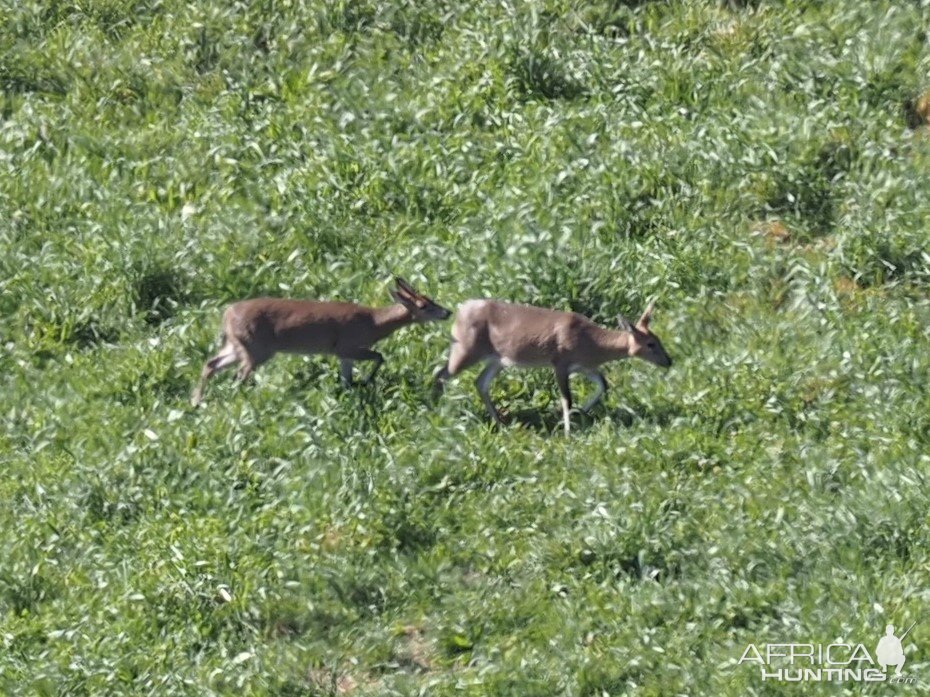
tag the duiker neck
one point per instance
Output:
(391, 318)
(611, 344)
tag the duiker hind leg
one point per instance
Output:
(491, 369)
(225, 358)
(250, 358)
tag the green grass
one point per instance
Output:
(759, 167)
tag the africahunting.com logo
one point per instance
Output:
(839, 662)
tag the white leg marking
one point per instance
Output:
(566, 419)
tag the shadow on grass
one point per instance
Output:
(550, 421)
(659, 414)
(542, 420)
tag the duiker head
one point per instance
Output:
(422, 308)
(643, 343)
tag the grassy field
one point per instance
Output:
(760, 168)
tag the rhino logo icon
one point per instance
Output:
(889, 651)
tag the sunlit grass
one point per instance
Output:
(759, 168)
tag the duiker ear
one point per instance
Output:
(398, 298)
(404, 288)
(647, 315)
(623, 324)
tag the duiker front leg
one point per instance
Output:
(348, 358)
(345, 372)
(561, 376)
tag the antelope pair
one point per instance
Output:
(501, 335)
